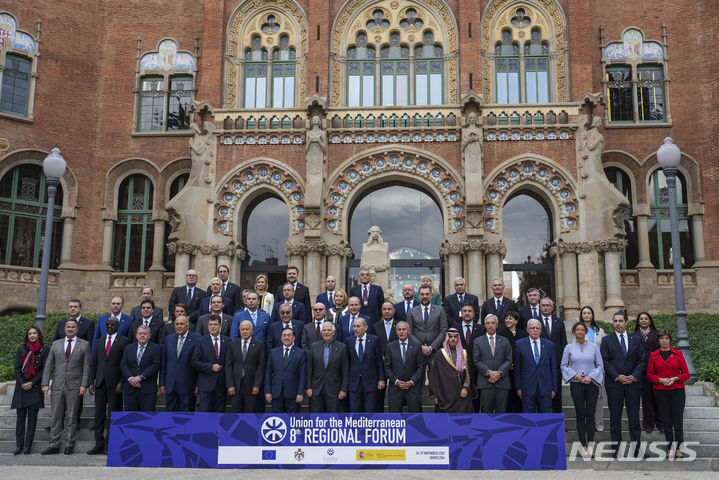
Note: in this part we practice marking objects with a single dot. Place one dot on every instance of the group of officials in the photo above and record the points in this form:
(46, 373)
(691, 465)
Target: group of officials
(343, 354)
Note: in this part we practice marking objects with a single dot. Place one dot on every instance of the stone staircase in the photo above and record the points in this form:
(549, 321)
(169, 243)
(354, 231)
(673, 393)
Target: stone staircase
(701, 424)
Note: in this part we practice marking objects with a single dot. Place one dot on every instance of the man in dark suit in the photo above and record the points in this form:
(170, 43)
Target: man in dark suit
(345, 322)
(148, 318)
(229, 289)
(85, 326)
(427, 324)
(178, 380)
(492, 356)
(624, 359)
(312, 331)
(535, 370)
(190, 295)
(401, 309)
(469, 330)
(217, 304)
(215, 288)
(499, 304)
(453, 303)
(146, 294)
(245, 369)
(254, 314)
(301, 293)
(370, 295)
(116, 304)
(385, 332)
(404, 369)
(530, 311)
(140, 366)
(285, 375)
(553, 330)
(289, 298)
(169, 327)
(328, 296)
(327, 372)
(365, 368)
(274, 332)
(512, 333)
(208, 360)
(106, 381)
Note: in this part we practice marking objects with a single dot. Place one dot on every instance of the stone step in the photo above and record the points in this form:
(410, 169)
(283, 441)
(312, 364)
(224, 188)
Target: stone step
(571, 435)
(690, 425)
(696, 465)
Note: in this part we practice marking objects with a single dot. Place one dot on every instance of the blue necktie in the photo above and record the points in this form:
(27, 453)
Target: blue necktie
(360, 350)
(326, 355)
(330, 300)
(624, 345)
(254, 318)
(536, 352)
(426, 316)
(409, 304)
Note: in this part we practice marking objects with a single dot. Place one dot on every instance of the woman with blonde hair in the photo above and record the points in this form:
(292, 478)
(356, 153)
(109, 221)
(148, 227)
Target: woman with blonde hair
(340, 307)
(267, 300)
(436, 299)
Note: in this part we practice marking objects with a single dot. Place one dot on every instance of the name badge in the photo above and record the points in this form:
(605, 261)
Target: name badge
(366, 303)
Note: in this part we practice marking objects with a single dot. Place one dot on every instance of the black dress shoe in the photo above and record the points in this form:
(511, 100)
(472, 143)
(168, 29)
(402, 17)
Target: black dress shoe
(68, 450)
(96, 450)
(27, 450)
(17, 451)
(51, 451)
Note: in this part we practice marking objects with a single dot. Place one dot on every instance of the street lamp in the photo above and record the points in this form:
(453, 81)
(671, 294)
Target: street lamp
(53, 167)
(668, 156)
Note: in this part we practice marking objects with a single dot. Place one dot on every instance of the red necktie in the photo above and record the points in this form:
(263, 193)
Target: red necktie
(319, 335)
(108, 346)
(364, 294)
(68, 350)
(217, 351)
(468, 336)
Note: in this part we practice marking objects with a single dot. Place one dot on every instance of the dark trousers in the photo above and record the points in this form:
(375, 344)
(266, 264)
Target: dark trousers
(514, 403)
(179, 402)
(363, 401)
(379, 400)
(213, 401)
(242, 402)
(494, 400)
(284, 405)
(617, 398)
(650, 417)
(106, 398)
(584, 397)
(25, 427)
(536, 403)
(138, 401)
(321, 402)
(411, 397)
(670, 407)
(557, 400)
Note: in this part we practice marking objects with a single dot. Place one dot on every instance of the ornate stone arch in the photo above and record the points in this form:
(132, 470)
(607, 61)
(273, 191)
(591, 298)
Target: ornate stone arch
(688, 167)
(238, 187)
(353, 16)
(170, 172)
(122, 170)
(246, 21)
(540, 174)
(628, 164)
(382, 164)
(551, 20)
(68, 181)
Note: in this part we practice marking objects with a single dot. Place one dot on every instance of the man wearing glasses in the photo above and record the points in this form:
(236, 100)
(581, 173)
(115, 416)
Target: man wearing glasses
(189, 295)
(217, 305)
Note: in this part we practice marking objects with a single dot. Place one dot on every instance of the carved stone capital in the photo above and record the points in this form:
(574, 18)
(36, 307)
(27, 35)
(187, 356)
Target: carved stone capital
(499, 248)
(375, 268)
(186, 248)
(611, 244)
(475, 245)
(313, 246)
(575, 247)
(223, 250)
(448, 248)
(293, 249)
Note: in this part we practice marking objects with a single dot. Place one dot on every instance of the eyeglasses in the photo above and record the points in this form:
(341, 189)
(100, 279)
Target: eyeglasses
(216, 301)
(285, 313)
(317, 309)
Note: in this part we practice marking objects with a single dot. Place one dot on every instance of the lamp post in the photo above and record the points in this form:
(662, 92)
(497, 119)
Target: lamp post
(668, 156)
(53, 167)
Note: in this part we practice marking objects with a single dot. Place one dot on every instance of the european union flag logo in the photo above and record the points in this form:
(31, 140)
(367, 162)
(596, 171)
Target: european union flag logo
(269, 454)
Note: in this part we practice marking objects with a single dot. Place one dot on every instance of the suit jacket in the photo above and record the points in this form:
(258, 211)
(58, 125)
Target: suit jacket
(484, 361)
(302, 295)
(477, 331)
(375, 299)
(365, 374)
(225, 328)
(105, 369)
(513, 338)
(673, 366)
(253, 365)
(558, 336)
(85, 329)
(203, 358)
(72, 373)
(454, 310)
(344, 329)
(259, 331)
(490, 306)
(228, 307)
(411, 369)
(433, 333)
(400, 313)
(177, 374)
(285, 380)
(324, 299)
(234, 293)
(616, 363)
(531, 377)
(123, 330)
(274, 334)
(149, 367)
(378, 329)
(298, 311)
(335, 376)
(309, 335)
(179, 295)
(156, 325)
(136, 313)
(525, 315)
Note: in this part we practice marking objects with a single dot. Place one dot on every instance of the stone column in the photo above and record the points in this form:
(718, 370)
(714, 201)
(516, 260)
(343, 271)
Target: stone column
(158, 247)
(68, 226)
(107, 229)
(313, 250)
(475, 267)
(453, 253)
(591, 279)
(613, 280)
(569, 274)
(495, 253)
(698, 238)
(558, 280)
(295, 258)
(643, 241)
(181, 250)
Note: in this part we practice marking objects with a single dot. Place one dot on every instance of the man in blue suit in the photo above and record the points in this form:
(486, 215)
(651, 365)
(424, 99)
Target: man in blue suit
(178, 380)
(535, 370)
(298, 308)
(259, 319)
(274, 330)
(366, 368)
(401, 309)
(328, 296)
(345, 322)
(285, 375)
(116, 304)
(140, 366)
(208, 360)
(371, 296)
(215, 288)
(624, 359)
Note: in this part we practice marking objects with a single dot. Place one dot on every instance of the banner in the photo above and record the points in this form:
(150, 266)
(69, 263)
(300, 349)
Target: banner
(407, 441)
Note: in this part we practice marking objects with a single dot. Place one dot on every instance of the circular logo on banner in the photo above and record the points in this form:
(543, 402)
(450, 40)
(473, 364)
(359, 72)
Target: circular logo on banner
(273, 430)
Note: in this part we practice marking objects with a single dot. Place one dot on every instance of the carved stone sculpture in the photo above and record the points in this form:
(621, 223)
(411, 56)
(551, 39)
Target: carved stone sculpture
(375, 257)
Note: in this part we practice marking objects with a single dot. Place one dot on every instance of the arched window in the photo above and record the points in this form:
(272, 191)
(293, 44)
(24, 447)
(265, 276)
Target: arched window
(536, 68)
(23, 207)
(283, 75)
(18, 67)
(428, 71)
(168, 259)
(134, 228)
(629, 257)
(394, 67)
(15, 85)
(255, 74)
(360, 73)
(507, 69)
(660, 241)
